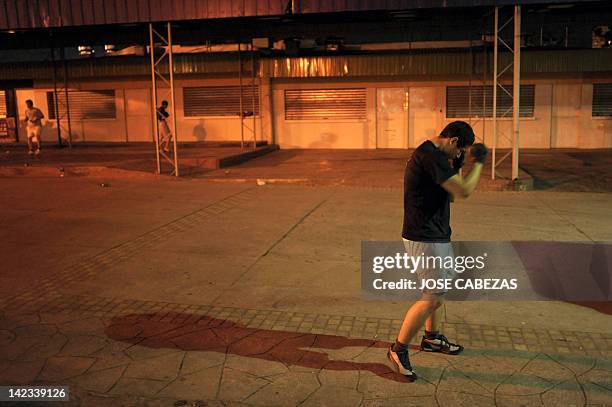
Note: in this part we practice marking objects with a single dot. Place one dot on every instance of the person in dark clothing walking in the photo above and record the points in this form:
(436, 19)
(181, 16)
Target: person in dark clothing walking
(431, 181)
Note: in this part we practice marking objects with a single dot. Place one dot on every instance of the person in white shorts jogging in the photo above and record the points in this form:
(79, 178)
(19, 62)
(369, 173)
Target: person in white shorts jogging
(431, 179)
(33, 119)
(165, 133)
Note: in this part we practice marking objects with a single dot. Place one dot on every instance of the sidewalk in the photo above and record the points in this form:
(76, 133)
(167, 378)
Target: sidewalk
(551, 170)
(183, 292)
(124, 160)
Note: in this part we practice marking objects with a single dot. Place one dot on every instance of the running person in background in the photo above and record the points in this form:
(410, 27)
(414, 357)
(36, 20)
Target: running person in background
(431, 180)
(33, 119)
(164, 130)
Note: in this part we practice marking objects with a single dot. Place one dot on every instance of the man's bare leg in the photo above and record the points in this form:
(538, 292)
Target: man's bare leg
(416, 316)
(432, 324)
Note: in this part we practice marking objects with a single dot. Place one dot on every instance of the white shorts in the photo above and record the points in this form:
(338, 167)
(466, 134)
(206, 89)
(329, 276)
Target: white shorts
(434, 269)
(164, 131)
(34, 133)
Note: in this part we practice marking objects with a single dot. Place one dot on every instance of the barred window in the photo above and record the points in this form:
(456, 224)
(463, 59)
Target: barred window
(84, 104)
(467, 101)
(219, 100)
(325, 104)
(602, 99)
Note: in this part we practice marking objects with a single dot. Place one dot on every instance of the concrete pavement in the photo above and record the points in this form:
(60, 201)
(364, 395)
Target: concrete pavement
(183, 292)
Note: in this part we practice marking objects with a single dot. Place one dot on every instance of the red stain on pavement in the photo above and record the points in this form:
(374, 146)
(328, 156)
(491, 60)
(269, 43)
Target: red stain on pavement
(202, 333)
(605, 307)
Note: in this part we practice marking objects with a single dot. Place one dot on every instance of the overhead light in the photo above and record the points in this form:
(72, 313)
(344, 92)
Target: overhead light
(11, 31)
(85, 50)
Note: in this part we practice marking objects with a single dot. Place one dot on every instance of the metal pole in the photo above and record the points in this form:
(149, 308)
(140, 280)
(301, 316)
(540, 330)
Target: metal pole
(253, 94)
(171, 72)
(241, 111)
(470, 83)
(494, 114)
(516, 91)
(55, 103)
(485, 71)
(484, 86)
(154, 97)
(63, 56)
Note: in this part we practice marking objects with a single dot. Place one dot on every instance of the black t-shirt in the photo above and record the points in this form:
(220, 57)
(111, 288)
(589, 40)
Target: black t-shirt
(426, 203)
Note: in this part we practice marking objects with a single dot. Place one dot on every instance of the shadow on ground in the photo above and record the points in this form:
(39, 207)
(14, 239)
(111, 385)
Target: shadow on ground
(571, 170)
(202, 333)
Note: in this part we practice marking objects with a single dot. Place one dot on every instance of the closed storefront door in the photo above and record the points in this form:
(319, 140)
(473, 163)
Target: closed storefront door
(391, 118)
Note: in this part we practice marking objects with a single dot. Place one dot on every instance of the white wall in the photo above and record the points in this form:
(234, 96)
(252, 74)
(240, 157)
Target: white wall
(562, 116)
(425, 117)
(82, 130)
(209, 128)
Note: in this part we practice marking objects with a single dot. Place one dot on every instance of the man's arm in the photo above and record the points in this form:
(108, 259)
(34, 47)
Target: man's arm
(460, 187)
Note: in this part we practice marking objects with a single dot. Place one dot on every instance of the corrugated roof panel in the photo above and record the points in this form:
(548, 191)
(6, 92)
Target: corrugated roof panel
(76, 8)
(143, 12)
(87, 11)
(24, 14)
(327, 6)
(427, 64)
(364, 65)
(66, 13)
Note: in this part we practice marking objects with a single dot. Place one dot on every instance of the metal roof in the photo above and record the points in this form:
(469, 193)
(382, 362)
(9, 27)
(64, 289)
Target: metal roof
(27, 14)
(33, 14)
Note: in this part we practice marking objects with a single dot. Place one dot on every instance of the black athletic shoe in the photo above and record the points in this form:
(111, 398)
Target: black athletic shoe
(440, 343)
(400, 362)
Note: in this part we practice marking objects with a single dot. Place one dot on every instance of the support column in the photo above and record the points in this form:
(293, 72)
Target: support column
(154, 97)
(168, 80)
(514, 65)
(516, 92)
(240, 95)
(172, 98)
(494, 119)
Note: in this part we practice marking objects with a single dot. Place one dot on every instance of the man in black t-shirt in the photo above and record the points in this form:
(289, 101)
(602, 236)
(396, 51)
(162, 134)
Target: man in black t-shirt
(431, 180)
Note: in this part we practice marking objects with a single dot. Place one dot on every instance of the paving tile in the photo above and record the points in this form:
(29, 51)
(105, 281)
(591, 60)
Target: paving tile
(99, 381)
(331, 396)
(288, 389)
(163, 368)
(60, 368)
(137, 387)
(238, 385)
(391, 385)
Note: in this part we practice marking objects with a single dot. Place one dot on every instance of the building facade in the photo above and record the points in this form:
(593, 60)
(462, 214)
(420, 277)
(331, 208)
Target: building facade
(360, 103)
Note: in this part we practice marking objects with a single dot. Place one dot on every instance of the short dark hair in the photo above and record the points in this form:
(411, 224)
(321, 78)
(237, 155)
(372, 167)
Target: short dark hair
(29, 102)
(461, 130)
(164, 102)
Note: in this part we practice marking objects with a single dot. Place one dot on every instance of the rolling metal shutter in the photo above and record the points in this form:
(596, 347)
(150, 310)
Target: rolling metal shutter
(325, 104)
(467, 101)
(84, 104)
(602, 99)
(219, 100)
(2, 103)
